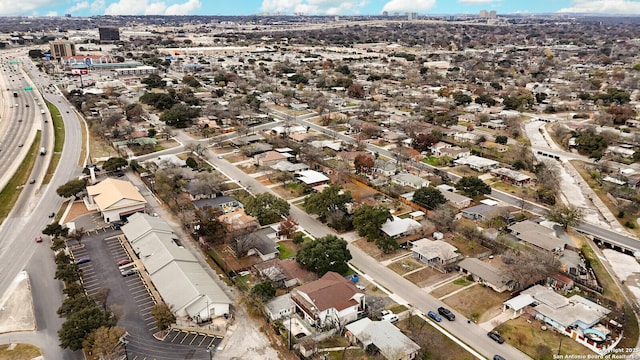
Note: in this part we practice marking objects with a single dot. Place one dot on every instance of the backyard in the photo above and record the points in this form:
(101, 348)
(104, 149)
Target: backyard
(476, 301)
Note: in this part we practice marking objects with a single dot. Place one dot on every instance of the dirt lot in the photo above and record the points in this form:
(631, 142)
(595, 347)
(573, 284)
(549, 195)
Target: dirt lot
(477, 300)
(77, 209)
(449, 288)
(372, 250)
(405, 265)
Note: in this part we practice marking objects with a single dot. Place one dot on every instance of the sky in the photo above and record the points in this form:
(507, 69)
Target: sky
(310, 7)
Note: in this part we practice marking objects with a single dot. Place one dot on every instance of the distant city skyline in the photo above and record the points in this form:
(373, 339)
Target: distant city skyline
(80, 8)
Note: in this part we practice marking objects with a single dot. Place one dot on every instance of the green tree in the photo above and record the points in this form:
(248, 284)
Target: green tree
(56, 230)
(71, 188)
(163, 315)
(565, 215)
(328, 253)
(429, 197)
(208, 225)
(267, 208)
(114, 163)
(368, 220)
(592, 144)
(152, 133)
(179, 115)
(105, 343)
(67, 272)
(462, 99)
(191, 81)
(473, 186)
(191, 162)
(80, 324)
(501, 139)
(485, 99)
(387, 244)
(160, 101)
(264, 290)
(328, 201)
(154, 81)
(74, 304)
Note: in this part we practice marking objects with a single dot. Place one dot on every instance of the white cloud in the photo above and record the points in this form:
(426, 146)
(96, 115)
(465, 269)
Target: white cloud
(97, 6)
(472, 2)
(313, 7)
(604, 7)
(51, 13)
(79, 6)
(408, 5)
(12, 7)
(145, 7)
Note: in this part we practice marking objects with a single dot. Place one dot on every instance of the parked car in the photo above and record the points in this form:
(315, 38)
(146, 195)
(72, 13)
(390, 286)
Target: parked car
(128, 272)
(390, 318)
(38, 239)
(495, 337)
(82, 260)
(385, 312)
(446, 313)
(498, 357)
(124, 262)
(434, 316)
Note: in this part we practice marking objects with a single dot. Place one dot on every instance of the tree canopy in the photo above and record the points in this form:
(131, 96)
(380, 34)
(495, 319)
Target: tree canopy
(56, 230)
(368, 220)
(80, 324)
(154, 81)
(163, 315)
(104, 342)
(591, 144)
(114, 163)
(429, 197)
(328, 201)
(264, 290)
(363, 163)
(328, 253)
(565, 215)
(267, 208)
(473, 186)
(71, 188)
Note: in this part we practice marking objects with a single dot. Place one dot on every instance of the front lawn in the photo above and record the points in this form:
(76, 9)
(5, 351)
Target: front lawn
(473, 302)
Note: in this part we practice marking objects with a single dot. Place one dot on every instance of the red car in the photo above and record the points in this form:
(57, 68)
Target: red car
(124, 262)
(38, 239)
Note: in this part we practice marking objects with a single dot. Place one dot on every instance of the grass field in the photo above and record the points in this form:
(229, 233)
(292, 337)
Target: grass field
(58, 141)
(19, 352)
(11, 192)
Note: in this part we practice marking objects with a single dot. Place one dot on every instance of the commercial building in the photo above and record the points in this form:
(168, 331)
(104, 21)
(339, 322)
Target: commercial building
(62, 48)
(109, 33)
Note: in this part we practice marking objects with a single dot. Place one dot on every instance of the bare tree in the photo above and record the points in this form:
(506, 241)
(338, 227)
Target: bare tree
(242, 244)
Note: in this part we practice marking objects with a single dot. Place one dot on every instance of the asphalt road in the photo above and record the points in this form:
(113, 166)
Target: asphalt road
(18, 249)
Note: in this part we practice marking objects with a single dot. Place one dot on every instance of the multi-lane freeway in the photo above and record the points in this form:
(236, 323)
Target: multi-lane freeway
(18, 250)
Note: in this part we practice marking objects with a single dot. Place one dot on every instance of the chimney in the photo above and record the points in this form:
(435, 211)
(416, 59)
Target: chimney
(92, 172)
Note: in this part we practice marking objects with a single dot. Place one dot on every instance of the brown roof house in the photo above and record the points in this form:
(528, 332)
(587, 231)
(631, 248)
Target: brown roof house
(115, 199)
(330, 301)
(270, 158)
(486, 274)
(382, 337)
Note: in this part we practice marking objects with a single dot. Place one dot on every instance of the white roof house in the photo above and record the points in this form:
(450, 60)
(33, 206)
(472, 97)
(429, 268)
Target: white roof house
(175, 272)
(411, 180)
(115, 198)
(385, 337)
(477, 163)
(312, 177)
(397, 227)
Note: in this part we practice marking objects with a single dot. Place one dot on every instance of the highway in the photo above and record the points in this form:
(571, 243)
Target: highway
(18, 250)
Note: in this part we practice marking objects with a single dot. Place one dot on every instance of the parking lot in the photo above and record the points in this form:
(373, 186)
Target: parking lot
(130, 299)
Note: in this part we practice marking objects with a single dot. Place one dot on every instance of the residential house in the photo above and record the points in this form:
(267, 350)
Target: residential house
(257, 148)
(397, 227)
(385, 167)
(382, 337)
(410, 180)
(238, 222)
(329, 301)
(285, 273)
(350, 156)
(245, 140)
(483, 212)
(225, 203)
(466, 137)
(164, 162)
(486, 274)
(455, 152)
(537, 235)
(477, 163)
(312, 178)
(270, 158)
(511, 176)
(559, 282)
(115, 199)
(435, 253)
(263, 244)
(436, 149)
(280, 307)
(287, 166)
(334, 145)
(175, 272)
(458, 201)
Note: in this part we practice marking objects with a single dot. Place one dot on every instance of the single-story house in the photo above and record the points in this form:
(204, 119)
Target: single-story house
(486, 274)
(165, 161)
(263, 244)
(225, 203)
(458, 201)
(285, 273)
(287, 166)
(115, 199)
(537, 235)
(385, 167)
(280, 307)
(329, 301)
(397, 227)
(382, 337)
(455, 152)
(511, 176)
(410, 180)
(484, 212)
(312, 178)
(329, 144)
(270, 158)
(435, 253)
(477, 163)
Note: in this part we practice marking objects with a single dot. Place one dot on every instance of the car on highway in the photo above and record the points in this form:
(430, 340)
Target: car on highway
(434, 316)
(498, 357)
(495, 337)
(32, 181)
(128, 272)
(20, 145)
(446, 313)
(82, 260)
(124, 262)
(38, 239)
(52, 215)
